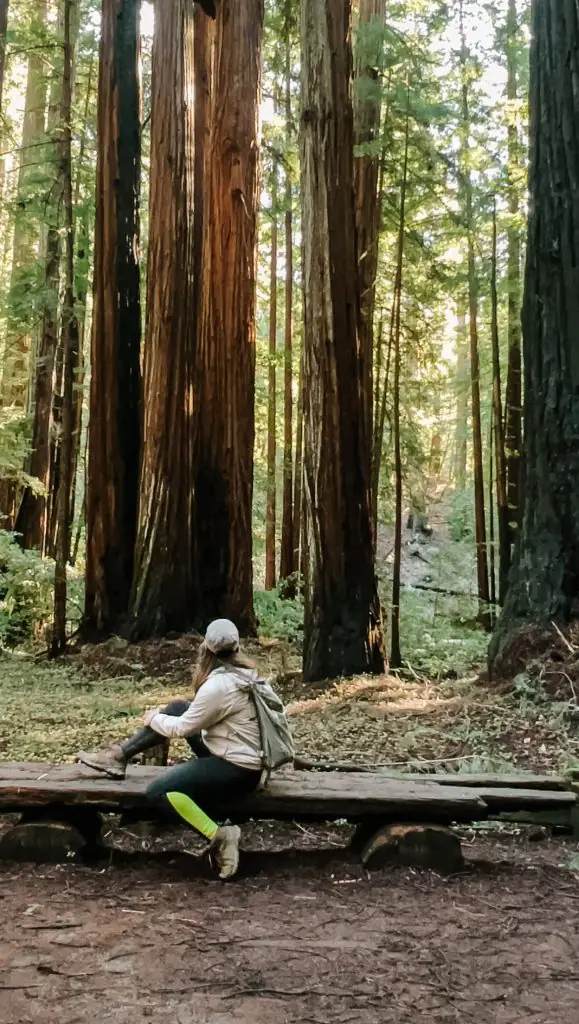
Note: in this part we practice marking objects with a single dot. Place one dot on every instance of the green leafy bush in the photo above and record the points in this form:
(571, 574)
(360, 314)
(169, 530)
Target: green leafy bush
(26, 591)
(282, 619)
(461, 519)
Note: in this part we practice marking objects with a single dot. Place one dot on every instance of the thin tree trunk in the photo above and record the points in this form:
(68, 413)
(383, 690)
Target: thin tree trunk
(20, 329)
(342, 622)
(26, 226)
(513, 431)
(286, 558)
(163, 595)
(367, 117)
(82, 252)
(70, 344)
(31, 520)
(114, 420)
(3, 27)
(499, 434)
(380, 386)
(479, 494)
(462, 384)
(270, 514)
(225, 370)
(395, 653)
(298, 511)
(492, 553)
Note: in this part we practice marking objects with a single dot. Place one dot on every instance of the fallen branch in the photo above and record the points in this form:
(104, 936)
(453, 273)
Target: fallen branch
(570, 648)
(305, 764)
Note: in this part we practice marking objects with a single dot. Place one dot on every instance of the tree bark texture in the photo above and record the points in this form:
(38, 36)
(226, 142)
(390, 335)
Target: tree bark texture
(270, 514)
(544, 582)
(26, 227)
(498, 435)
(163, 594)
(70, 349)
(286, 557)
(468, 209)
(395, 652)
(203, 56)
(460, 452)
(225, 366)
(342, 626)
(514, 412)
(367, 118)
(31, 517)
(114, 421)
(20, 334)
(3, 27)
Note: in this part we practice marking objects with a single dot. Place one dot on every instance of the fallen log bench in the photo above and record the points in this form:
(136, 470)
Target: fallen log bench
(399, 818)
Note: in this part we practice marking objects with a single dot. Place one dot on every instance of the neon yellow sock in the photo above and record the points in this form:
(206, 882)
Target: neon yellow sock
(192, 814)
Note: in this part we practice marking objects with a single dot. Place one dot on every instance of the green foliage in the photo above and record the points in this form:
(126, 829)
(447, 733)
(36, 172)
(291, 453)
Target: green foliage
(436, 642)
(279, 618)
(26, 591)
(14, 448)
(461, 520)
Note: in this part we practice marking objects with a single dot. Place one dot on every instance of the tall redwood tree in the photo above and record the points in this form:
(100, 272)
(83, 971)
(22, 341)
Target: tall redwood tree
(342, 628)
(544, 580)
(225, 364)
(163, 594)
(114, 422)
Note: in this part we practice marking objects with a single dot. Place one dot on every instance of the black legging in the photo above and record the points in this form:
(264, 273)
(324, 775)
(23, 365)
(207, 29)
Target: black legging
(211, 782)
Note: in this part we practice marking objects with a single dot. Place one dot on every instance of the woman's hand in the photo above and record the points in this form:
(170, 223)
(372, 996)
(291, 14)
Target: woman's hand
(149, 715)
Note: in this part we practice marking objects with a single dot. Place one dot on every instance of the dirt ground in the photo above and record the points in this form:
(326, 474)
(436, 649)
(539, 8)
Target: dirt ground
(308, 938)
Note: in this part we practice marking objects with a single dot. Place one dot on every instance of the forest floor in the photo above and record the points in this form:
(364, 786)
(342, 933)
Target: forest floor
(304, 934)
(302, 939)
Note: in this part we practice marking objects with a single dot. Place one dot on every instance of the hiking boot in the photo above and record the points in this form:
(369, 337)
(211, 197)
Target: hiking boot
(224, 850)
(111, 761)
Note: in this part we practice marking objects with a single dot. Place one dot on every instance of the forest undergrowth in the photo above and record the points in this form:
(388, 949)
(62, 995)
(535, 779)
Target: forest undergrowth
(439, 713)
(408, 721)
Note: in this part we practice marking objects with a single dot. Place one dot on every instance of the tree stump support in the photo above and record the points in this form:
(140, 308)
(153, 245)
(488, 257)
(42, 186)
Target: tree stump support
(430, 847)
(53, 835)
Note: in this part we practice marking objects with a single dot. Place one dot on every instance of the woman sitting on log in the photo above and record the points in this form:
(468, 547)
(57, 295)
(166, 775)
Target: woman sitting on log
(221, 726)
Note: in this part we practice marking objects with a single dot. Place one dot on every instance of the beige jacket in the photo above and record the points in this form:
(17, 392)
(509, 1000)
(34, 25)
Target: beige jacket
(224, 714)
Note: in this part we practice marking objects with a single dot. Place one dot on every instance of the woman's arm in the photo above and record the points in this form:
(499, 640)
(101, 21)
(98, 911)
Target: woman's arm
(205, 710)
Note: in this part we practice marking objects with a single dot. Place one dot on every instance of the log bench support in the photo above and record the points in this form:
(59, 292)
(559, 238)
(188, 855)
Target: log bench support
(54, 835)
(401, 820)
(429, 847)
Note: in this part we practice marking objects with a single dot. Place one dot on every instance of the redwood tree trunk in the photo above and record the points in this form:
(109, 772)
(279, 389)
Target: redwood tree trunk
(498, 435)
(513, 430)
(544, 582)
(163, 595)
(460, 452)
(3, 27)
(298, 501)
(395, 653)
(468, 202)
(367, 116)
(70, 350)
(19, 341)
(342, 625)
(31, 518)
(270, 514)
(32, 513)
(203, 54)
(225, 369)
(286, 558)
(114, 421)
